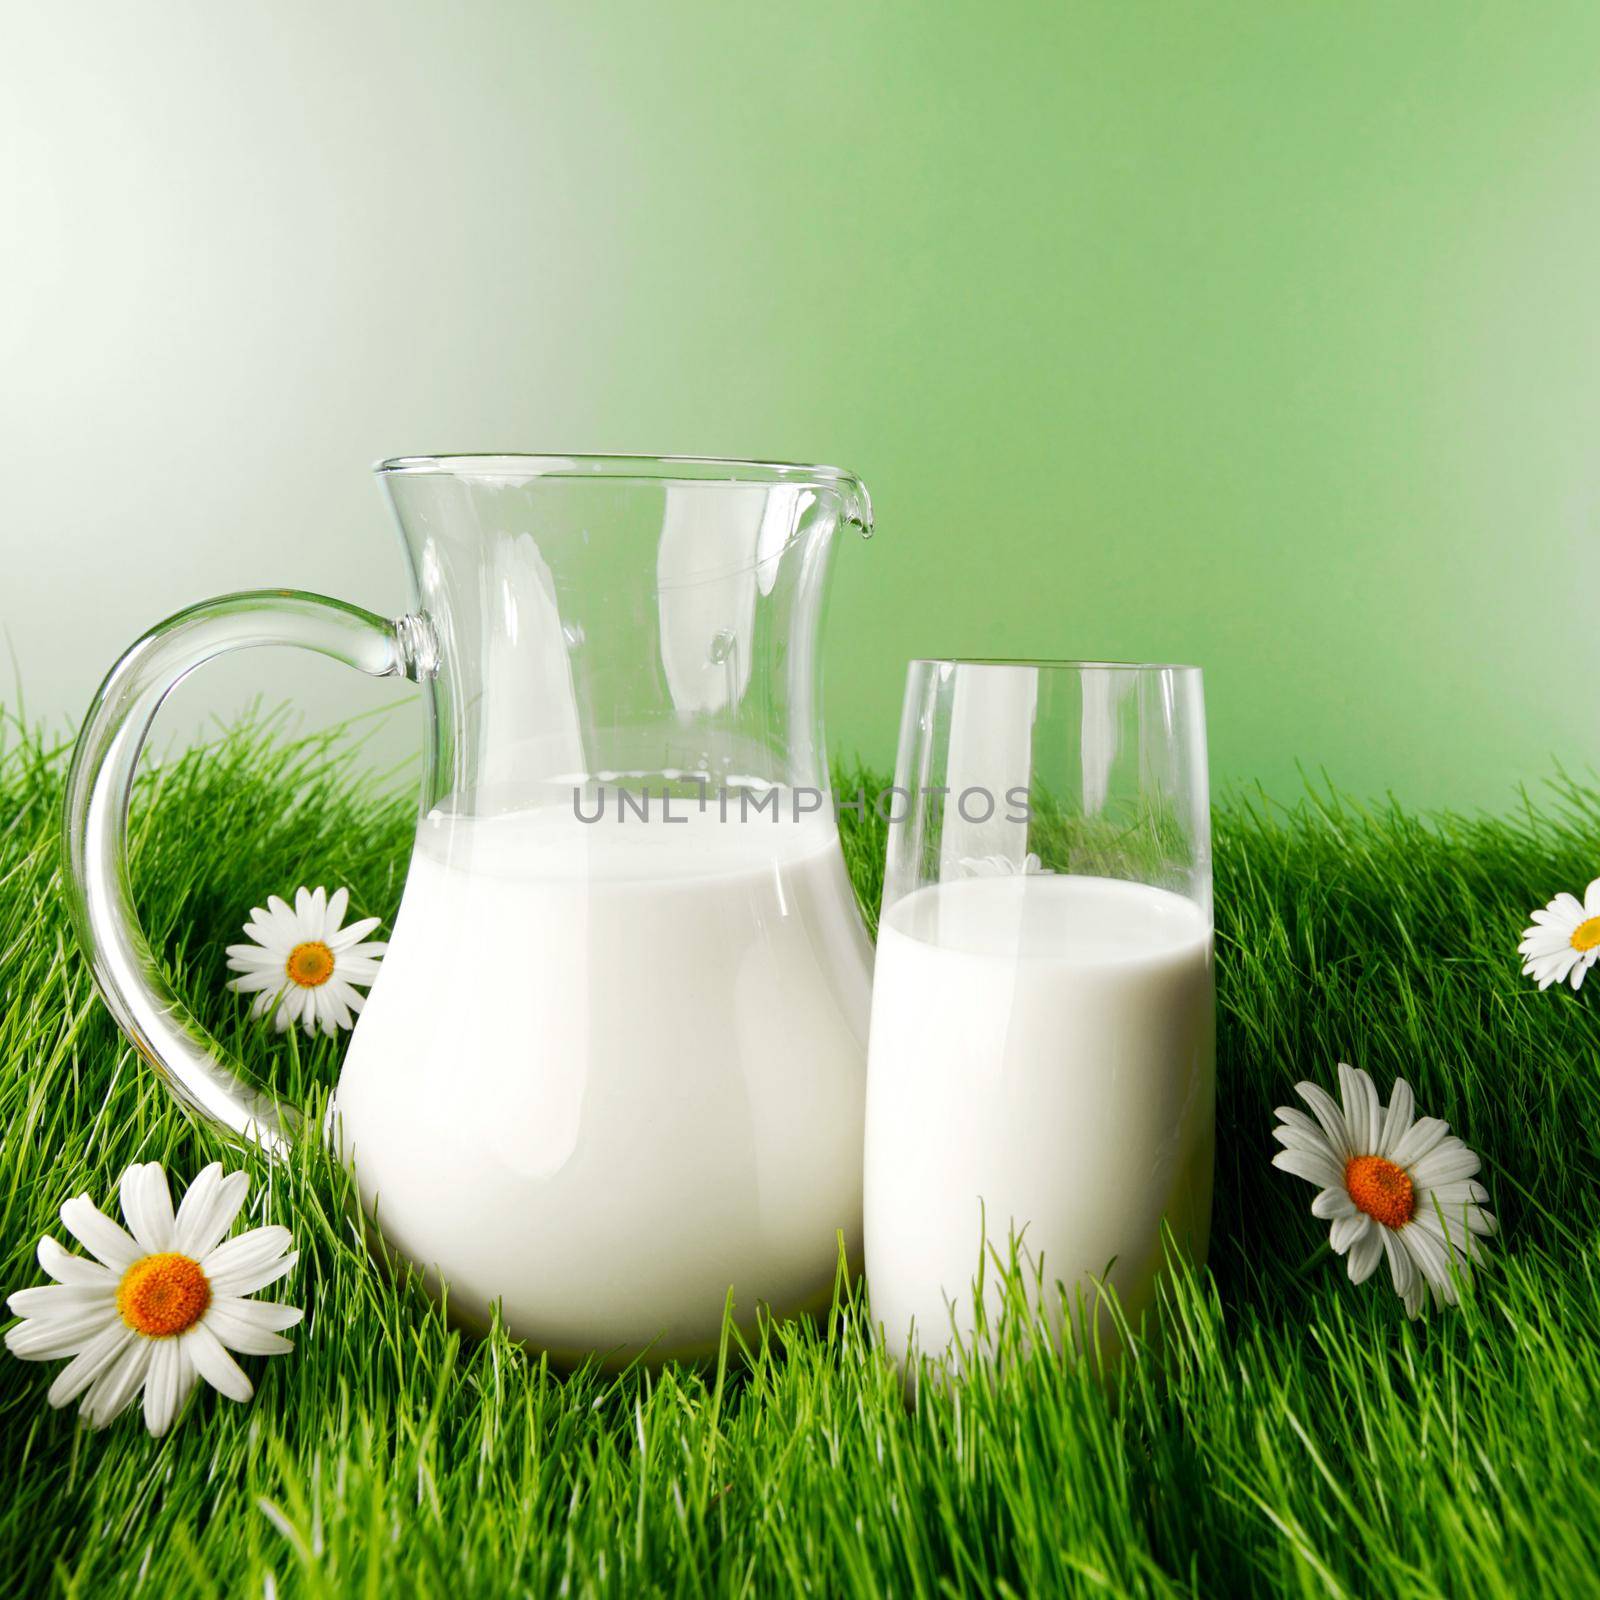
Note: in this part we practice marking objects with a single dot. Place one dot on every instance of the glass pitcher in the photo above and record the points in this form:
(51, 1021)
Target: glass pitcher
(614, 1062)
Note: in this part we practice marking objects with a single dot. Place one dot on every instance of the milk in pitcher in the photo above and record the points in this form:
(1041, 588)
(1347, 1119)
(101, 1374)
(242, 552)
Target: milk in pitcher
(643, 1040)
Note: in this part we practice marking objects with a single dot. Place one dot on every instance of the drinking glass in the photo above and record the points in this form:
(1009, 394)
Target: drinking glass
(1041, 1080)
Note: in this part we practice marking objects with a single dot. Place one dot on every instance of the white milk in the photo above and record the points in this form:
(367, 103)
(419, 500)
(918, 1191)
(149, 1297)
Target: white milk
(1042, 1046)
(610, 1070)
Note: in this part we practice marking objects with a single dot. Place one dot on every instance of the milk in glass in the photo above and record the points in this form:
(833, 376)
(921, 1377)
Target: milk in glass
(1042, 1057)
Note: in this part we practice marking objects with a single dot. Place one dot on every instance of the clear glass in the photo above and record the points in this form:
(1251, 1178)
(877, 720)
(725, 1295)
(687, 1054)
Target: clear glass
(613, 1065)
(1041, 1067)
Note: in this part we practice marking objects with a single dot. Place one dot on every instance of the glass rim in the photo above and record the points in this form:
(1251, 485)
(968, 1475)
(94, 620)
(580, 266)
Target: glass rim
(688, 469)
(1054, 665)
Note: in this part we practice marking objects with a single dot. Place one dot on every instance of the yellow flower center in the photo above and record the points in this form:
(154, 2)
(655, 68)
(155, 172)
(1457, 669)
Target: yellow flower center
(163, 1295)
(1586, 935)
(309, 964)
(1381, 1189)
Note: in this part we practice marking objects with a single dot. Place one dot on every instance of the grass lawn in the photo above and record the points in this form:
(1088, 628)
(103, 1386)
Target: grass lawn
(1287, 1432)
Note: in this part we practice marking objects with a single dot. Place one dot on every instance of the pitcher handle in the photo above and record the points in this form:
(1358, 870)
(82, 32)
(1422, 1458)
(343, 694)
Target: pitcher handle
(99, 784)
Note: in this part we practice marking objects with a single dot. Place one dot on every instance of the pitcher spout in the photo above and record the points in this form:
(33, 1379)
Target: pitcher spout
(857, 508)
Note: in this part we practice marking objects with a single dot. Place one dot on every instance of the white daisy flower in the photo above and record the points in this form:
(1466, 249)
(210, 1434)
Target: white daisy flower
(157, 1307)
(303, 962)
(1564, 940)
(1391, 1184)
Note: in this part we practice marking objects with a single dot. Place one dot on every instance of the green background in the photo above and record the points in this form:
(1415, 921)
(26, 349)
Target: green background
(1261, 335)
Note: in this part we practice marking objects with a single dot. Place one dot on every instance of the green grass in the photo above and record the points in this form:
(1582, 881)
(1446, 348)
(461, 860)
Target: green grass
(1286, 1433)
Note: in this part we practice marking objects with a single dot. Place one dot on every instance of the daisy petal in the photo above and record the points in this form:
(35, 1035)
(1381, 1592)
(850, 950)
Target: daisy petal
(1334, 1202)
(327, 1013)
(1298, 1119)
(1433, 1261)
(346, 939)
(112, 1392)
(1297, 1139)
(188, 1377)
(203, 1226)
(1318, 1169)
(339, 988)
(167, 1361)
(1365, 1254)
(237, 1284)
(147, 1206)
(251, 958)
(1349, 1230)
(268, 1314)
(1448, 1162)
(65, 1267)
(93, 1229)
(89, 1363)
(61, 1299)
(250, 1262)
(1402, 1269)
(214, 1364)
(50, 1338)
(1397, 1119)
(238, 1332)
(251, 982)
(1455, 1223)
(275, 941)
(197, 1201)
(1422, 1136)
(338, 904)
(1326, 1110)
(1360, 1108)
